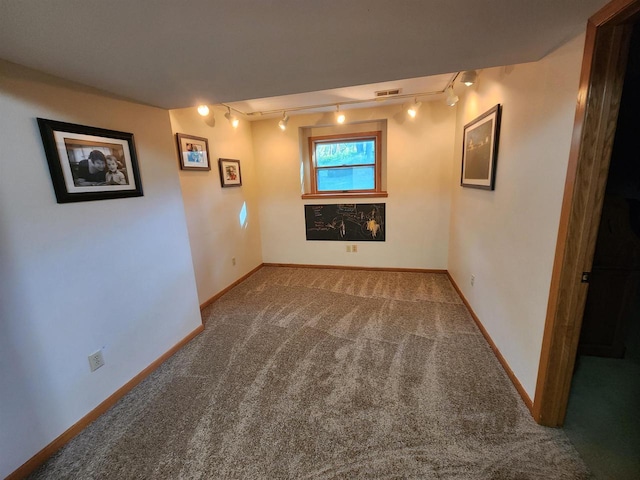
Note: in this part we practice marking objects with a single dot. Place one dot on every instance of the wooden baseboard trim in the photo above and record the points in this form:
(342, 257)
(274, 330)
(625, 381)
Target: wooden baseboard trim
(42, 456)
(237, 282)
(348, 267)
(501, 359)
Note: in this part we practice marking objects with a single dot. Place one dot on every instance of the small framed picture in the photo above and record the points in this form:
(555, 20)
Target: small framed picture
(193, 152)
(230, 175)
(480, 150)
(89, 163)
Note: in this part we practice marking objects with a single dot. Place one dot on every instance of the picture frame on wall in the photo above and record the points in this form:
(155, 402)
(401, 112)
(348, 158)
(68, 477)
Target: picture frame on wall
(480, 150)
(90, 163)
(193, 152)
(230, 175)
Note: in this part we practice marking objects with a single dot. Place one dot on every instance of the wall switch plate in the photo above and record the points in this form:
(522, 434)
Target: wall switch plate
(473, 280)
(354, 248)
(348, 248)
(233, 260)
(96, 360)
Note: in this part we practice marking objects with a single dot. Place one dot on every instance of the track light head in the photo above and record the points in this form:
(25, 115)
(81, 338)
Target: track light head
(413, 109)
(283, 122)
(233, 120)
(203, 110)
(469, 77)
(340, 118)
(452, 98)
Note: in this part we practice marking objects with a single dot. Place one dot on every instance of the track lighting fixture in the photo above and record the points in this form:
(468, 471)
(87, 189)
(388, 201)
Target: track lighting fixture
(283, 122)
(469, 77)
(203, 110)
(233, 120)
(413, 109)
(452, 98)
(412, 106)
(340, 118)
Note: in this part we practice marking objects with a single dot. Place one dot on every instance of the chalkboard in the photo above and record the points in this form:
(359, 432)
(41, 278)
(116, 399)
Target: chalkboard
(348, 222)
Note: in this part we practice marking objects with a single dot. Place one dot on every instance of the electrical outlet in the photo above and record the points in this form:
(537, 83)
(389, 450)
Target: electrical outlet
(233, 260)
(473, 280)
(354, 248)
(96, 360)
(348, 248)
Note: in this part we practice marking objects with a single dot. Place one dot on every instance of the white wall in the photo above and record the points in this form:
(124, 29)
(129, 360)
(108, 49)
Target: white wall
(77, 277)
(419, 169)
(506, 237)
(223, 222)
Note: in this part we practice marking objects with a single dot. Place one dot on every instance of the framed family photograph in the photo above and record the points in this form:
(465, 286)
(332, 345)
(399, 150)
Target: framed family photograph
(89, 163)
(193, 152)
(480, 150)
(230, 175)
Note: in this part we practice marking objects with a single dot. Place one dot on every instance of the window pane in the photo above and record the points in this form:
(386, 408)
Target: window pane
(354, 178)
(335, 154)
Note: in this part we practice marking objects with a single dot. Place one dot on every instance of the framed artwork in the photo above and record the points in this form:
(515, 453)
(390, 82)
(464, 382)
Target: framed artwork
(480, 150)
(193, 152)
(230, 175)
(89, 163)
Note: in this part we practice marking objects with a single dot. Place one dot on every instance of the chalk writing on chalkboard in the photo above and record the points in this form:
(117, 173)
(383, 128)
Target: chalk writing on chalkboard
(362, 222)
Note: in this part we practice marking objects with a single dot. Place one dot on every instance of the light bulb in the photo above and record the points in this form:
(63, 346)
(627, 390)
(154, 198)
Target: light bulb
(283, 122)
(233, 120)
(413, 109)
(203, 110)
(340, 118)
(452, 98)
(469, 77)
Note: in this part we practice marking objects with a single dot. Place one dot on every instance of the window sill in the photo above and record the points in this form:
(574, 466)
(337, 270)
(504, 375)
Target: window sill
(345, 195)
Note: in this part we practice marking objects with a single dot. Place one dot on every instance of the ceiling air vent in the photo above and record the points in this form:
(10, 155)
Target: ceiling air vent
(387, 93)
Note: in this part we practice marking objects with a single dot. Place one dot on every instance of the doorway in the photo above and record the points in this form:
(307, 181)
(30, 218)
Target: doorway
(602, 420)
(601, 83)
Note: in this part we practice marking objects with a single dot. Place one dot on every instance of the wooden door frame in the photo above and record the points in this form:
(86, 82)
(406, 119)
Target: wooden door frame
(601, 81)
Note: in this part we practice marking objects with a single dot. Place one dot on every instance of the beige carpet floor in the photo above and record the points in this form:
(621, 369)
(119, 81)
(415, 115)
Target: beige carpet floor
(325, 374)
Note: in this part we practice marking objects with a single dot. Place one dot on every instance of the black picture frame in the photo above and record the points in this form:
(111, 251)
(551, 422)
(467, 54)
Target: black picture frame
(230, 175)
(193, 152)
(480, 150)
(70, 148)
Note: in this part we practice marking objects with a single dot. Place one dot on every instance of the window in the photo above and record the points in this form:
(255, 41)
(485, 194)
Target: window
(345, 164)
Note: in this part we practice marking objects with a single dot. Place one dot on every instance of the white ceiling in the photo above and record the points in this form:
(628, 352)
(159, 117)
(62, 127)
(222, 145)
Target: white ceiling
(361, 96)
(174, 54)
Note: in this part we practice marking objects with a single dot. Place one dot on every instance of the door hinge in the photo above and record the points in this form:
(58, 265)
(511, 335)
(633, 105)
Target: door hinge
(585, 277)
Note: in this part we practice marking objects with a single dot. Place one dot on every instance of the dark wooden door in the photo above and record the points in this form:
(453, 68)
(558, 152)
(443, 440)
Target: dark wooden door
(615, 275)
(614, 281)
